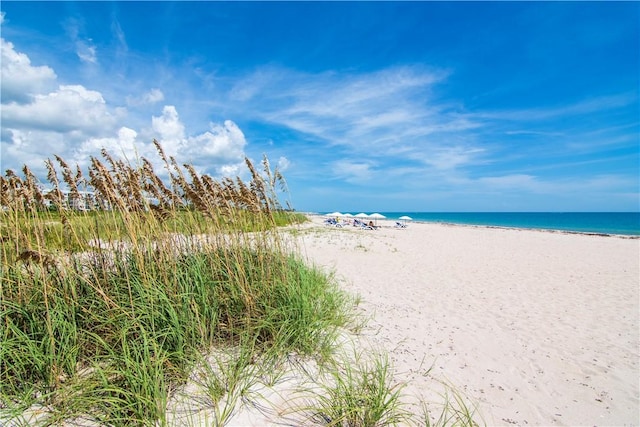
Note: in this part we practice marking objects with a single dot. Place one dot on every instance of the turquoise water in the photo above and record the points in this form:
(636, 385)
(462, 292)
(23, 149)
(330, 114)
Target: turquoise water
(626, 223)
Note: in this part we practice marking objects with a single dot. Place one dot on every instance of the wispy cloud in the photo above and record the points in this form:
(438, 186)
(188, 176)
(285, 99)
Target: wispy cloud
(350, 109)
(352, 171)
(392, 119)
(153, 96)
(447, 158)
(583, 107)
(532, 132)
(528, 184)
(390, 112)
(119, 35)
(86, 51)
(85, 48)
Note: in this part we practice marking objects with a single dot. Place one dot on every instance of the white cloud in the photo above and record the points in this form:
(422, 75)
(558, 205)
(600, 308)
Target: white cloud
(391, 113)
(30, 95)
(224, 142)
(393, 118)
(230, 170)
(363, 100)
(446, 158)
(354, 172)
(86, 51)
(586, 106)
(20, 79)
(220, 150)
(343, 106)
(152, 97)
(169, 129)
(71, 108)
(30, 147)
(124, 145)
(283, 164)
(75, 123)
(119, 35)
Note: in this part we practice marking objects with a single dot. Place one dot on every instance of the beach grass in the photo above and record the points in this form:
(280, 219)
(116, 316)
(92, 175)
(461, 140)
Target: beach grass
(454, 409)
(111, 304)
(106, 310)
(360, 392)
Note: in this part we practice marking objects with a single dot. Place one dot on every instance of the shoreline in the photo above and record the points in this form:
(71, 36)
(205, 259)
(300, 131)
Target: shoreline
(543, 230)
(500, 227)
(632, 235)
(536, 328)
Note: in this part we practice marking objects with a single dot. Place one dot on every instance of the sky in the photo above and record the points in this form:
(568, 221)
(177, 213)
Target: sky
(363, 106)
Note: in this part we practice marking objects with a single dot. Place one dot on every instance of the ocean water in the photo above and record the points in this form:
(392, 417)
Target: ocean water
(625, 223)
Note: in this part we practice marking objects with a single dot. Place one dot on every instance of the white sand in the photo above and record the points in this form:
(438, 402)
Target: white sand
(533, 328)
(537, 328)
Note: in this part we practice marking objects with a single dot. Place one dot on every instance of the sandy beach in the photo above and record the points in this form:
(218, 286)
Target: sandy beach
(535, 327)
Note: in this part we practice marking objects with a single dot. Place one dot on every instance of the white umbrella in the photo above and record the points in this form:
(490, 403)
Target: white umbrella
(334, 214)
(377, 216)
(405, 218)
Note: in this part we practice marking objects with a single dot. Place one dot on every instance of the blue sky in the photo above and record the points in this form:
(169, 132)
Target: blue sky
(364, 106)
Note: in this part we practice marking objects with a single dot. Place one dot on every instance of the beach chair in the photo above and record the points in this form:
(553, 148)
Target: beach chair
(400, 225)
(332, 222)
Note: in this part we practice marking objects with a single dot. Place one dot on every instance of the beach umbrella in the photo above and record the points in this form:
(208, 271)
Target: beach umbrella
(334, 214)
(361, 216)
(377, 216)
(405, 218)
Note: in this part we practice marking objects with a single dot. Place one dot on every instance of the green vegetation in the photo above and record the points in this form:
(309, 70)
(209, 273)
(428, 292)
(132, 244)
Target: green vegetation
(111, 303)
(361, 393)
